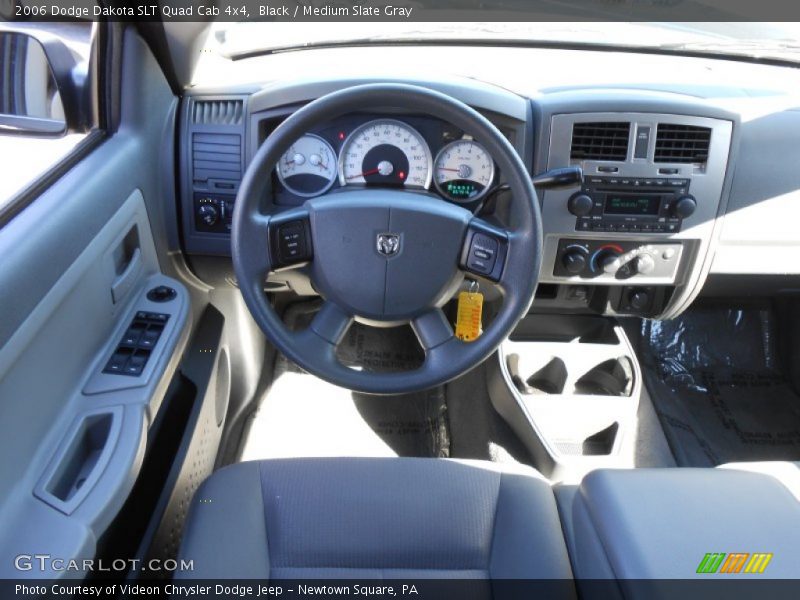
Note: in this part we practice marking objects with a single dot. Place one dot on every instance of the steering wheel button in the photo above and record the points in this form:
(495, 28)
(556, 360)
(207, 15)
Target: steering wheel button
(292, 245)
(482, 254)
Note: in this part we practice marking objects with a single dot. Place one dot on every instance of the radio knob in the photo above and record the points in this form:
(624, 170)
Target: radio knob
(208, 214)
(574, 261)
(644, 264)
(580, 204)
(684, 206)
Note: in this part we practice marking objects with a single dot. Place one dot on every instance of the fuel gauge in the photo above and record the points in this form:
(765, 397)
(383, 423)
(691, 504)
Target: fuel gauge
(463, 171)
(308, 168)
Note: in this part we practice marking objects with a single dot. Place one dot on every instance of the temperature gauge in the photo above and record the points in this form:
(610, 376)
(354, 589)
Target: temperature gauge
(308, 168)
(463, 171)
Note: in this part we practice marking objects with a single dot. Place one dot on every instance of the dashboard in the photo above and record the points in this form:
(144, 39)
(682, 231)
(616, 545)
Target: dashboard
(640, 236)
(407, 151)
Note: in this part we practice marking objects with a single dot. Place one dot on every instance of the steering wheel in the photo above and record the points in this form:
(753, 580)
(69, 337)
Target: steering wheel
(385, 256)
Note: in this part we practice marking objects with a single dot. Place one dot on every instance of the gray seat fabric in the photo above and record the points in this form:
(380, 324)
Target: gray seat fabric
(375, 517)
(643, 524)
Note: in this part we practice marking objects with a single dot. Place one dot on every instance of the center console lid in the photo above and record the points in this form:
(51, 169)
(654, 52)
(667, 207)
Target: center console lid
(671, 524)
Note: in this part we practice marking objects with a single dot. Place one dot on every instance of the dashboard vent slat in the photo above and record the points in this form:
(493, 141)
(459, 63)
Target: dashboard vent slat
(216, 156)
(600, 141)
(217, 112)
(682, 143)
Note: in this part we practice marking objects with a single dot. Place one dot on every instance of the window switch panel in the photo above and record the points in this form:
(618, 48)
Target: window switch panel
(133, 350)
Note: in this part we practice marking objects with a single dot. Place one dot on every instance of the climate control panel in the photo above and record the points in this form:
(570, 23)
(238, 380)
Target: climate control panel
(617, 260)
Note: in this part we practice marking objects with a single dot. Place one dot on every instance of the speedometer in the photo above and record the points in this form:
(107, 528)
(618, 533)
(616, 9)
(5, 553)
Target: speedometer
(464, 171)
(385, 152)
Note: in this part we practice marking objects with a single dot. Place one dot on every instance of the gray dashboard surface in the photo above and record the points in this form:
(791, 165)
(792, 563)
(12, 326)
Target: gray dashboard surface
(755, 235)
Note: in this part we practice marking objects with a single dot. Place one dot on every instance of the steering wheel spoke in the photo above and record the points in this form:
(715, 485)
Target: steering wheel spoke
(331, 323)
(432, 329)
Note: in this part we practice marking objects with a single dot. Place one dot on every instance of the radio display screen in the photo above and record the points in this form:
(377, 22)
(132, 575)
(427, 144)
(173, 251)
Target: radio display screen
(632, 204)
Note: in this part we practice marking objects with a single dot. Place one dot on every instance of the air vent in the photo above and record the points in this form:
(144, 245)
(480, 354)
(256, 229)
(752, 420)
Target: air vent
(682, 144)
(600, 141)
(217, 112)
(216, 156)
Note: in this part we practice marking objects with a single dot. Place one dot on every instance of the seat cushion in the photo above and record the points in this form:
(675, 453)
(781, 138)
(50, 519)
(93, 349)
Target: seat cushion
(374, 517)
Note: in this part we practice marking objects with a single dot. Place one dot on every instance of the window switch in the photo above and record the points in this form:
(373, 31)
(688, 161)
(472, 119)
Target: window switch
(116, 363)
(131, 337)
(150, 337)
(136, 364)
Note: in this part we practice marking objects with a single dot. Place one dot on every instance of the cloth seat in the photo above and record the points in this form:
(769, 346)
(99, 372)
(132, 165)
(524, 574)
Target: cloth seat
(401, 518)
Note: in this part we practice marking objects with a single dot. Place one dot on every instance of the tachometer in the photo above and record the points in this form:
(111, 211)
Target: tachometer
(308, 167)
(385, 152)
(463, 171)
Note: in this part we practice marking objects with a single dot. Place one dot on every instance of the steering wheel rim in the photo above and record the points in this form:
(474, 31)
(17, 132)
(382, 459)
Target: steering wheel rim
(314, 348)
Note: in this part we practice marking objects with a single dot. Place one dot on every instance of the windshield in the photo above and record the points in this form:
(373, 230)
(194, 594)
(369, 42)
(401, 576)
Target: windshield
(760, 40)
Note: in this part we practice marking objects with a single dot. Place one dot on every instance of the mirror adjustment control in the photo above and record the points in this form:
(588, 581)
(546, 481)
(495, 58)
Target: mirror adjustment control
(162, 293)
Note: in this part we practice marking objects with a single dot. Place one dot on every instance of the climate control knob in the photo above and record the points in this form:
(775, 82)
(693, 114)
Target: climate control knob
(684, 206)
(580, 204)
(609, 262)
(644, 264)
(574, 261)
(208, 214)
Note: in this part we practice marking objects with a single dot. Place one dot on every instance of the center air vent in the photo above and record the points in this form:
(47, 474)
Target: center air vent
(600, 141)
(682, 144)
(217, 112)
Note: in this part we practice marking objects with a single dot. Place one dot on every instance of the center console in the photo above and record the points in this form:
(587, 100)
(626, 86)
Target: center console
(632, 239)
(569, 386)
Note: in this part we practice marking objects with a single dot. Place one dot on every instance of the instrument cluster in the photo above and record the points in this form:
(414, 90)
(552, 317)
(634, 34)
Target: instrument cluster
(409, 152)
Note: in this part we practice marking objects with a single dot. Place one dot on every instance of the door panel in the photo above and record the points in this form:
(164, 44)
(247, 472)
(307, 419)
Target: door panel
(77, 265)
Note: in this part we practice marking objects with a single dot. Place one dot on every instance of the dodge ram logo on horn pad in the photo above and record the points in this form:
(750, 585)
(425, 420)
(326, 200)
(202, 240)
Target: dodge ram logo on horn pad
(388, 244)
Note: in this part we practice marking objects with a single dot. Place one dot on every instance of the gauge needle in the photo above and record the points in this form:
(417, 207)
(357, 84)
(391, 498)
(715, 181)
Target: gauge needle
(444, 169)
(364, 174)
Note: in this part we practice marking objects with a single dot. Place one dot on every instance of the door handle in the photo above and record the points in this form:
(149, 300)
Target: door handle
(125, 281)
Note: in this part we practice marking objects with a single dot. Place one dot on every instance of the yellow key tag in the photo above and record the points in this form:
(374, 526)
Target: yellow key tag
(468, 320)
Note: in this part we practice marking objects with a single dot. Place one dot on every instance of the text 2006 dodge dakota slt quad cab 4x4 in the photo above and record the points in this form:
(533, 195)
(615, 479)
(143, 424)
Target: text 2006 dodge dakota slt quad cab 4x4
(399, 308)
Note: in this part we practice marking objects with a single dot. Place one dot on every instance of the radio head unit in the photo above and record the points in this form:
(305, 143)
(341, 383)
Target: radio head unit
(632, 204)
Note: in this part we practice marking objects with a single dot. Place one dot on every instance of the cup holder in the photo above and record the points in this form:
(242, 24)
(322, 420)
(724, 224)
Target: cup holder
(549, 379)
(612, 377)
(600, 443)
